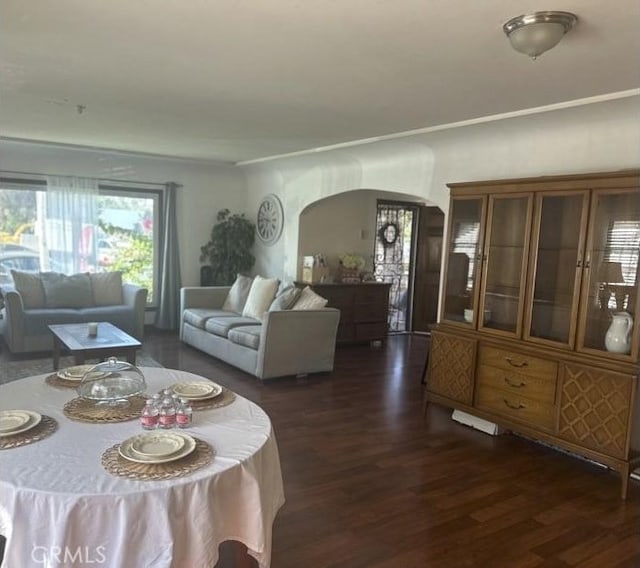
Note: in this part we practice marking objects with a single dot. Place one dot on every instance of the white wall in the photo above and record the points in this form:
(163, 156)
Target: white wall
(205, 188)
(601, 136)
(336, 225)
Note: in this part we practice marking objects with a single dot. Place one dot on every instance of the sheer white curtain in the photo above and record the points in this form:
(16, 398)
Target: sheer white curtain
(71, 221)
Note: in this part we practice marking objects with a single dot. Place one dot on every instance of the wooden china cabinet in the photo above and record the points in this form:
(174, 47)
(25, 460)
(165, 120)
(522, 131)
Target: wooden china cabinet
(535, 271)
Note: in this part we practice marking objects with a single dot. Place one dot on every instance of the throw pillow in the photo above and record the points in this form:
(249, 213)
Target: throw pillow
(285, 299)
(262, 292)
(29, 285)
(107, 288)
(237, 296)
(62, 291)
(309, 300)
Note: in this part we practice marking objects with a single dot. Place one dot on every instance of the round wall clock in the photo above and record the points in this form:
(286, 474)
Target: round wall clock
(270, 219)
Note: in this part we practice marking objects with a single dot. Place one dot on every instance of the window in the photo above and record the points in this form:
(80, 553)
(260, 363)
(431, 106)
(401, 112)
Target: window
(124, 237)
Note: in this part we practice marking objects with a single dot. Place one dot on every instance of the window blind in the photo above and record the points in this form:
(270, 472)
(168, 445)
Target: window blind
(623, 246)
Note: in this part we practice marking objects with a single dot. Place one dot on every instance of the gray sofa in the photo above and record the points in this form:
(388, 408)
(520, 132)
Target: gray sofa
(26, 314)
(285, 342)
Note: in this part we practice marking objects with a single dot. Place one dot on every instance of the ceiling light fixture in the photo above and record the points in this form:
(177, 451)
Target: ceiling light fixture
(536, 33)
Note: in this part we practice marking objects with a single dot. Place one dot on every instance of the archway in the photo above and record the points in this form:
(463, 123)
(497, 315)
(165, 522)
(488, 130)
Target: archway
(346, 223)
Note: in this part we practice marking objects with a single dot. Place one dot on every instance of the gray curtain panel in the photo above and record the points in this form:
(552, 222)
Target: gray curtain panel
(170, 280)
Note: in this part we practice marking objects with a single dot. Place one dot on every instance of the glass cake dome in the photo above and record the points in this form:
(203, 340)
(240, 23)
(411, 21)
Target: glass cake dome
(112, 382)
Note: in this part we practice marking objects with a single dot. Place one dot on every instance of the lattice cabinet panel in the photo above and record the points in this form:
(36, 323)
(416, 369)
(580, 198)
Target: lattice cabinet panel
(594, 408)
(452, 367)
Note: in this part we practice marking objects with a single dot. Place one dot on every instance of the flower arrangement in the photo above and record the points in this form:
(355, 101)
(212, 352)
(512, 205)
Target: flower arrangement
(352, 261)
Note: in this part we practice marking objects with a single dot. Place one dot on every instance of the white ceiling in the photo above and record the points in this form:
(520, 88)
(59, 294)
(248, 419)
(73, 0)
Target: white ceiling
(237, 80)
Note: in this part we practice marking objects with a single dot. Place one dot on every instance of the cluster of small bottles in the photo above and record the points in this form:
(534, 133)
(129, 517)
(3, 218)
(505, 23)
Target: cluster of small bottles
(166, 410)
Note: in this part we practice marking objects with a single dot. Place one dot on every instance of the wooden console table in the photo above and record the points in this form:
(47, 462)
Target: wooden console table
(364, 309)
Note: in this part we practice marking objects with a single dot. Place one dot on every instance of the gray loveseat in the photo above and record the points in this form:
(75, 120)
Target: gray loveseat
(40, 299)
(284, 342)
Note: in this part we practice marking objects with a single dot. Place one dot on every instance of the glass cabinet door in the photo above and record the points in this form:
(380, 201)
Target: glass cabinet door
(556, 267)
(504, 263)
(609, 312)
(462, 261)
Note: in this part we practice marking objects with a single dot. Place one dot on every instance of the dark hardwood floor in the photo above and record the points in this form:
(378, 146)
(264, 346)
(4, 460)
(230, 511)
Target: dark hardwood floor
(370, 483)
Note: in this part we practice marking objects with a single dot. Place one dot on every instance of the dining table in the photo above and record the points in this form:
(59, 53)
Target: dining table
(59, 507)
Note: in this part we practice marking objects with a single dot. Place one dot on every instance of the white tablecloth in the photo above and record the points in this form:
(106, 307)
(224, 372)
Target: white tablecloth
(59, 507)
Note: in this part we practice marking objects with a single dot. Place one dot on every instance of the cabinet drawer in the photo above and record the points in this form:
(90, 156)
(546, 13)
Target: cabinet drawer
(338, 302)
(346, 332)
(370, 331)
(336, 295)
(372, 294)
(346, 313)
(520, 362)
(370, 312)
(521, 408)
(539, 388)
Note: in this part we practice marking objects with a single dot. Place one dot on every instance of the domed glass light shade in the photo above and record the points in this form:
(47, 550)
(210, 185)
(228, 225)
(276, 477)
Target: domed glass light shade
(536, 33)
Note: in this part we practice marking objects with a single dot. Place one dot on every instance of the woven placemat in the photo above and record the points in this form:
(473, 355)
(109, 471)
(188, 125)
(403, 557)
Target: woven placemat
(55, 381)
(115, 464)
(84, 410)
(46, 427)
(224, 399)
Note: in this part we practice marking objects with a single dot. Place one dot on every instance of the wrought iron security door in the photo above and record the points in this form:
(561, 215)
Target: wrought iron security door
(394, 257)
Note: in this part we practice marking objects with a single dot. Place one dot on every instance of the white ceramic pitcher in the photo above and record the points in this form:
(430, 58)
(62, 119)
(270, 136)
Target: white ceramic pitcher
(618, 336)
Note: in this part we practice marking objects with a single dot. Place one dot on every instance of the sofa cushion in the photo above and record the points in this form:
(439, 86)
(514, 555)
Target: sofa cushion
(247, 335)
(237, 296)
(221, 325)
(29, 285)
(285, 299)
(37, 320)
(309, 300)
(197, 317)
(262, 293)
(62, 291)
(107, 288)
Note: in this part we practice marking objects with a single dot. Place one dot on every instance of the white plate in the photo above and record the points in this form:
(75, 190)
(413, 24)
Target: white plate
(128, 453)
(12, 420)
(157, 444)
(34, 420)
(77, 373)
(197, 390)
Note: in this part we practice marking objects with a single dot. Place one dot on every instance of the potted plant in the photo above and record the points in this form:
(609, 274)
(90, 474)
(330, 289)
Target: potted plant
(228, 251)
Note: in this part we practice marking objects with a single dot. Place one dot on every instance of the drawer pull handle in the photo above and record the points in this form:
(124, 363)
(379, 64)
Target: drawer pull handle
(518, 406)
(514, 385)
(516, 363)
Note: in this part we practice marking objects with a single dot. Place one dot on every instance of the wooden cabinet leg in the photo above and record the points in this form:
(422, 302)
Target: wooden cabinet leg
(625, 472)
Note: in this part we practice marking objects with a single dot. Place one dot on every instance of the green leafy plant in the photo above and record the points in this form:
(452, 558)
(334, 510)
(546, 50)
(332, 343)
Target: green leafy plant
(229, 248)
(133, 256)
